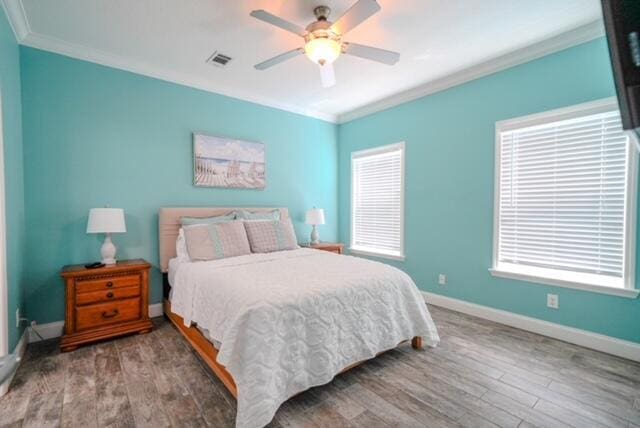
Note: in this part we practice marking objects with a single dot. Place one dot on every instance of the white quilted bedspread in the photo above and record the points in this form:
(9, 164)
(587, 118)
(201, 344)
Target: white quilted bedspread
(291, 320)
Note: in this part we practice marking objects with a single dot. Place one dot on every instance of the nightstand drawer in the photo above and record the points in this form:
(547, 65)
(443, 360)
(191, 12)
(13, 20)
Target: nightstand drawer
(101, 284)
(107, 295)
(100, 314)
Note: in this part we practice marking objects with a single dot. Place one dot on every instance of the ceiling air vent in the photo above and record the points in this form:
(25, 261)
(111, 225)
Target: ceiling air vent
(218, 59)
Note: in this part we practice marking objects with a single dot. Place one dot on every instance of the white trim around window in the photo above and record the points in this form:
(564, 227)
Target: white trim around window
(391, 160)
(586, 281)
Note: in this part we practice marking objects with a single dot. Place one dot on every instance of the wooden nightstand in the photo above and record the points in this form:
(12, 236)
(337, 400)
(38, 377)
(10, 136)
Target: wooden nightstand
(106, 302)
(327, 246)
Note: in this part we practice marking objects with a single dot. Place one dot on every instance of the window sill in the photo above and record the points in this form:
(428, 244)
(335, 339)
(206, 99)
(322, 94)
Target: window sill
(376, 254)
(613, 291)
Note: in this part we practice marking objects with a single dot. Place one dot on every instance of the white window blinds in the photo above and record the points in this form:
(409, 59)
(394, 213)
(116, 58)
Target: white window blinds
(563, 199)
(377, 189)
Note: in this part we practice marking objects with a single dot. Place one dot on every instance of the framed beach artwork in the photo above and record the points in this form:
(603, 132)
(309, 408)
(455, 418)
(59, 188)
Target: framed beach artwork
(227, 162)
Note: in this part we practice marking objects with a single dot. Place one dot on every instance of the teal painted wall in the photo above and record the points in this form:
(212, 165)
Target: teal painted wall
(449, 184)
(14, 179)
(95, 135)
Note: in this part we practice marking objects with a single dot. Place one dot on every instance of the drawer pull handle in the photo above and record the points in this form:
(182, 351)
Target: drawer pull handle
(109, 284)
(110, 295)
(114, 313)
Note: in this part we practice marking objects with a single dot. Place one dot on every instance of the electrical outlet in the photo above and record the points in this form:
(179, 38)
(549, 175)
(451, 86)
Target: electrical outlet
(553, 301)
(442, 279)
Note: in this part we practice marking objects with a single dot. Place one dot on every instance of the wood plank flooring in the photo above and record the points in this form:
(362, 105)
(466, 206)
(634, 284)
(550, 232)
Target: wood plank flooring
(481, 375)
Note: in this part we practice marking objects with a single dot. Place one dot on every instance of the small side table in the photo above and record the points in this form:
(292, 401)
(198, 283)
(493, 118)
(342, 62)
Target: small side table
(333, 247)
(106, 302)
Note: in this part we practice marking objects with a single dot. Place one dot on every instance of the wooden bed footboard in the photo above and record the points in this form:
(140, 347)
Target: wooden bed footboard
(209, 353)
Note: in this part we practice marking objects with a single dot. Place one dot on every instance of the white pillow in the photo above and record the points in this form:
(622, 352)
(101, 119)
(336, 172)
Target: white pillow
(181, 247)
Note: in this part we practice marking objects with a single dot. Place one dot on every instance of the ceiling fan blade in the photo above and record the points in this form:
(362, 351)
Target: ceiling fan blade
(327, 75)
(278, 59)
(356, 15)
(369, 52)
(265, 16)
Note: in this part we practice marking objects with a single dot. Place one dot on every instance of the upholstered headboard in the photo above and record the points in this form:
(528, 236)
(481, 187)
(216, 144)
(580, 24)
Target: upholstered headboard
(169, 225)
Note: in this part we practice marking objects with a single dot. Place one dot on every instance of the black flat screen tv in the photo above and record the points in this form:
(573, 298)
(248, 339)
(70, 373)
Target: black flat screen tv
(622, 24)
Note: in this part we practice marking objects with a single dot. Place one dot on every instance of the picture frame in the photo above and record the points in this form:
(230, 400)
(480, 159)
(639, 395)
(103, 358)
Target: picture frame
(228, 162)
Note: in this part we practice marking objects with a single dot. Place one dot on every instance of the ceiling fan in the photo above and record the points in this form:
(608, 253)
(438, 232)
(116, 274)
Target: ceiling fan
(323, 39)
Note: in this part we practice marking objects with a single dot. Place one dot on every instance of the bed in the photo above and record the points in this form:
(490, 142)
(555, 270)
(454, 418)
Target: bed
(273, 325)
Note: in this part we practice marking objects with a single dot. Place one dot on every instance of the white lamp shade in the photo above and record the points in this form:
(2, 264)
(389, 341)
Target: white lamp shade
(315, 216)
(106, 220)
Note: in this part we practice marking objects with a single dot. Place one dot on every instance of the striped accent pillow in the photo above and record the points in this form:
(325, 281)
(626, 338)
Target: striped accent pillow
(216, 241)
(268, 236)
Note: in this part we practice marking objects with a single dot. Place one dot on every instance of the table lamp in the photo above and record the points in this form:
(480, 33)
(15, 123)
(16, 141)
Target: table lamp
(315, 217)
(107, 221)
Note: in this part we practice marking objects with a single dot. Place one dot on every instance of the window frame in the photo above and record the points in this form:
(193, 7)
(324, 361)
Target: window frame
(629, 260)
(370, 152)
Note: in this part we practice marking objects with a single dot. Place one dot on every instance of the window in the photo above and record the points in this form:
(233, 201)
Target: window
(565, 199)
(377, 201)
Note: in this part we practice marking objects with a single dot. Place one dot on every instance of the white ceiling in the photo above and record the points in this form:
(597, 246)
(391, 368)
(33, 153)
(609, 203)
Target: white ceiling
(171, 39)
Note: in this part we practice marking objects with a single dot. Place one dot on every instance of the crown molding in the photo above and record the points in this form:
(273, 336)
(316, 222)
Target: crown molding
(579, 35)
(85, 53)
(17, 18)
(20, 24)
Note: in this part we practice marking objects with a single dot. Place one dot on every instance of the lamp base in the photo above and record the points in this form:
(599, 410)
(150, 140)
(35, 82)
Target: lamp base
(315, 236)
(108, 251)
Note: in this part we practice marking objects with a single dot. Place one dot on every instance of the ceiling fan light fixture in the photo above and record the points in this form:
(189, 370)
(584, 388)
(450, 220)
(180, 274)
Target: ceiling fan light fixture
(323, 39)
(323, 50)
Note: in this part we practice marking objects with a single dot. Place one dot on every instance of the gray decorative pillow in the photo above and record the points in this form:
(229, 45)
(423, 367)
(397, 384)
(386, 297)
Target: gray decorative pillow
(268, 236)
(263, 215)
(187, 221)
(216, 241)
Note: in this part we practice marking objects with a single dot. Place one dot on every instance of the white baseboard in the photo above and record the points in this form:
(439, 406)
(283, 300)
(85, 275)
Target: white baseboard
(49, 330)
(599, 342)
(20, 349)
(155, 310)
(54, 329)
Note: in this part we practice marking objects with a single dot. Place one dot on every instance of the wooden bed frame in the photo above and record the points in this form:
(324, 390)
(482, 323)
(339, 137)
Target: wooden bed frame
(169, 225)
